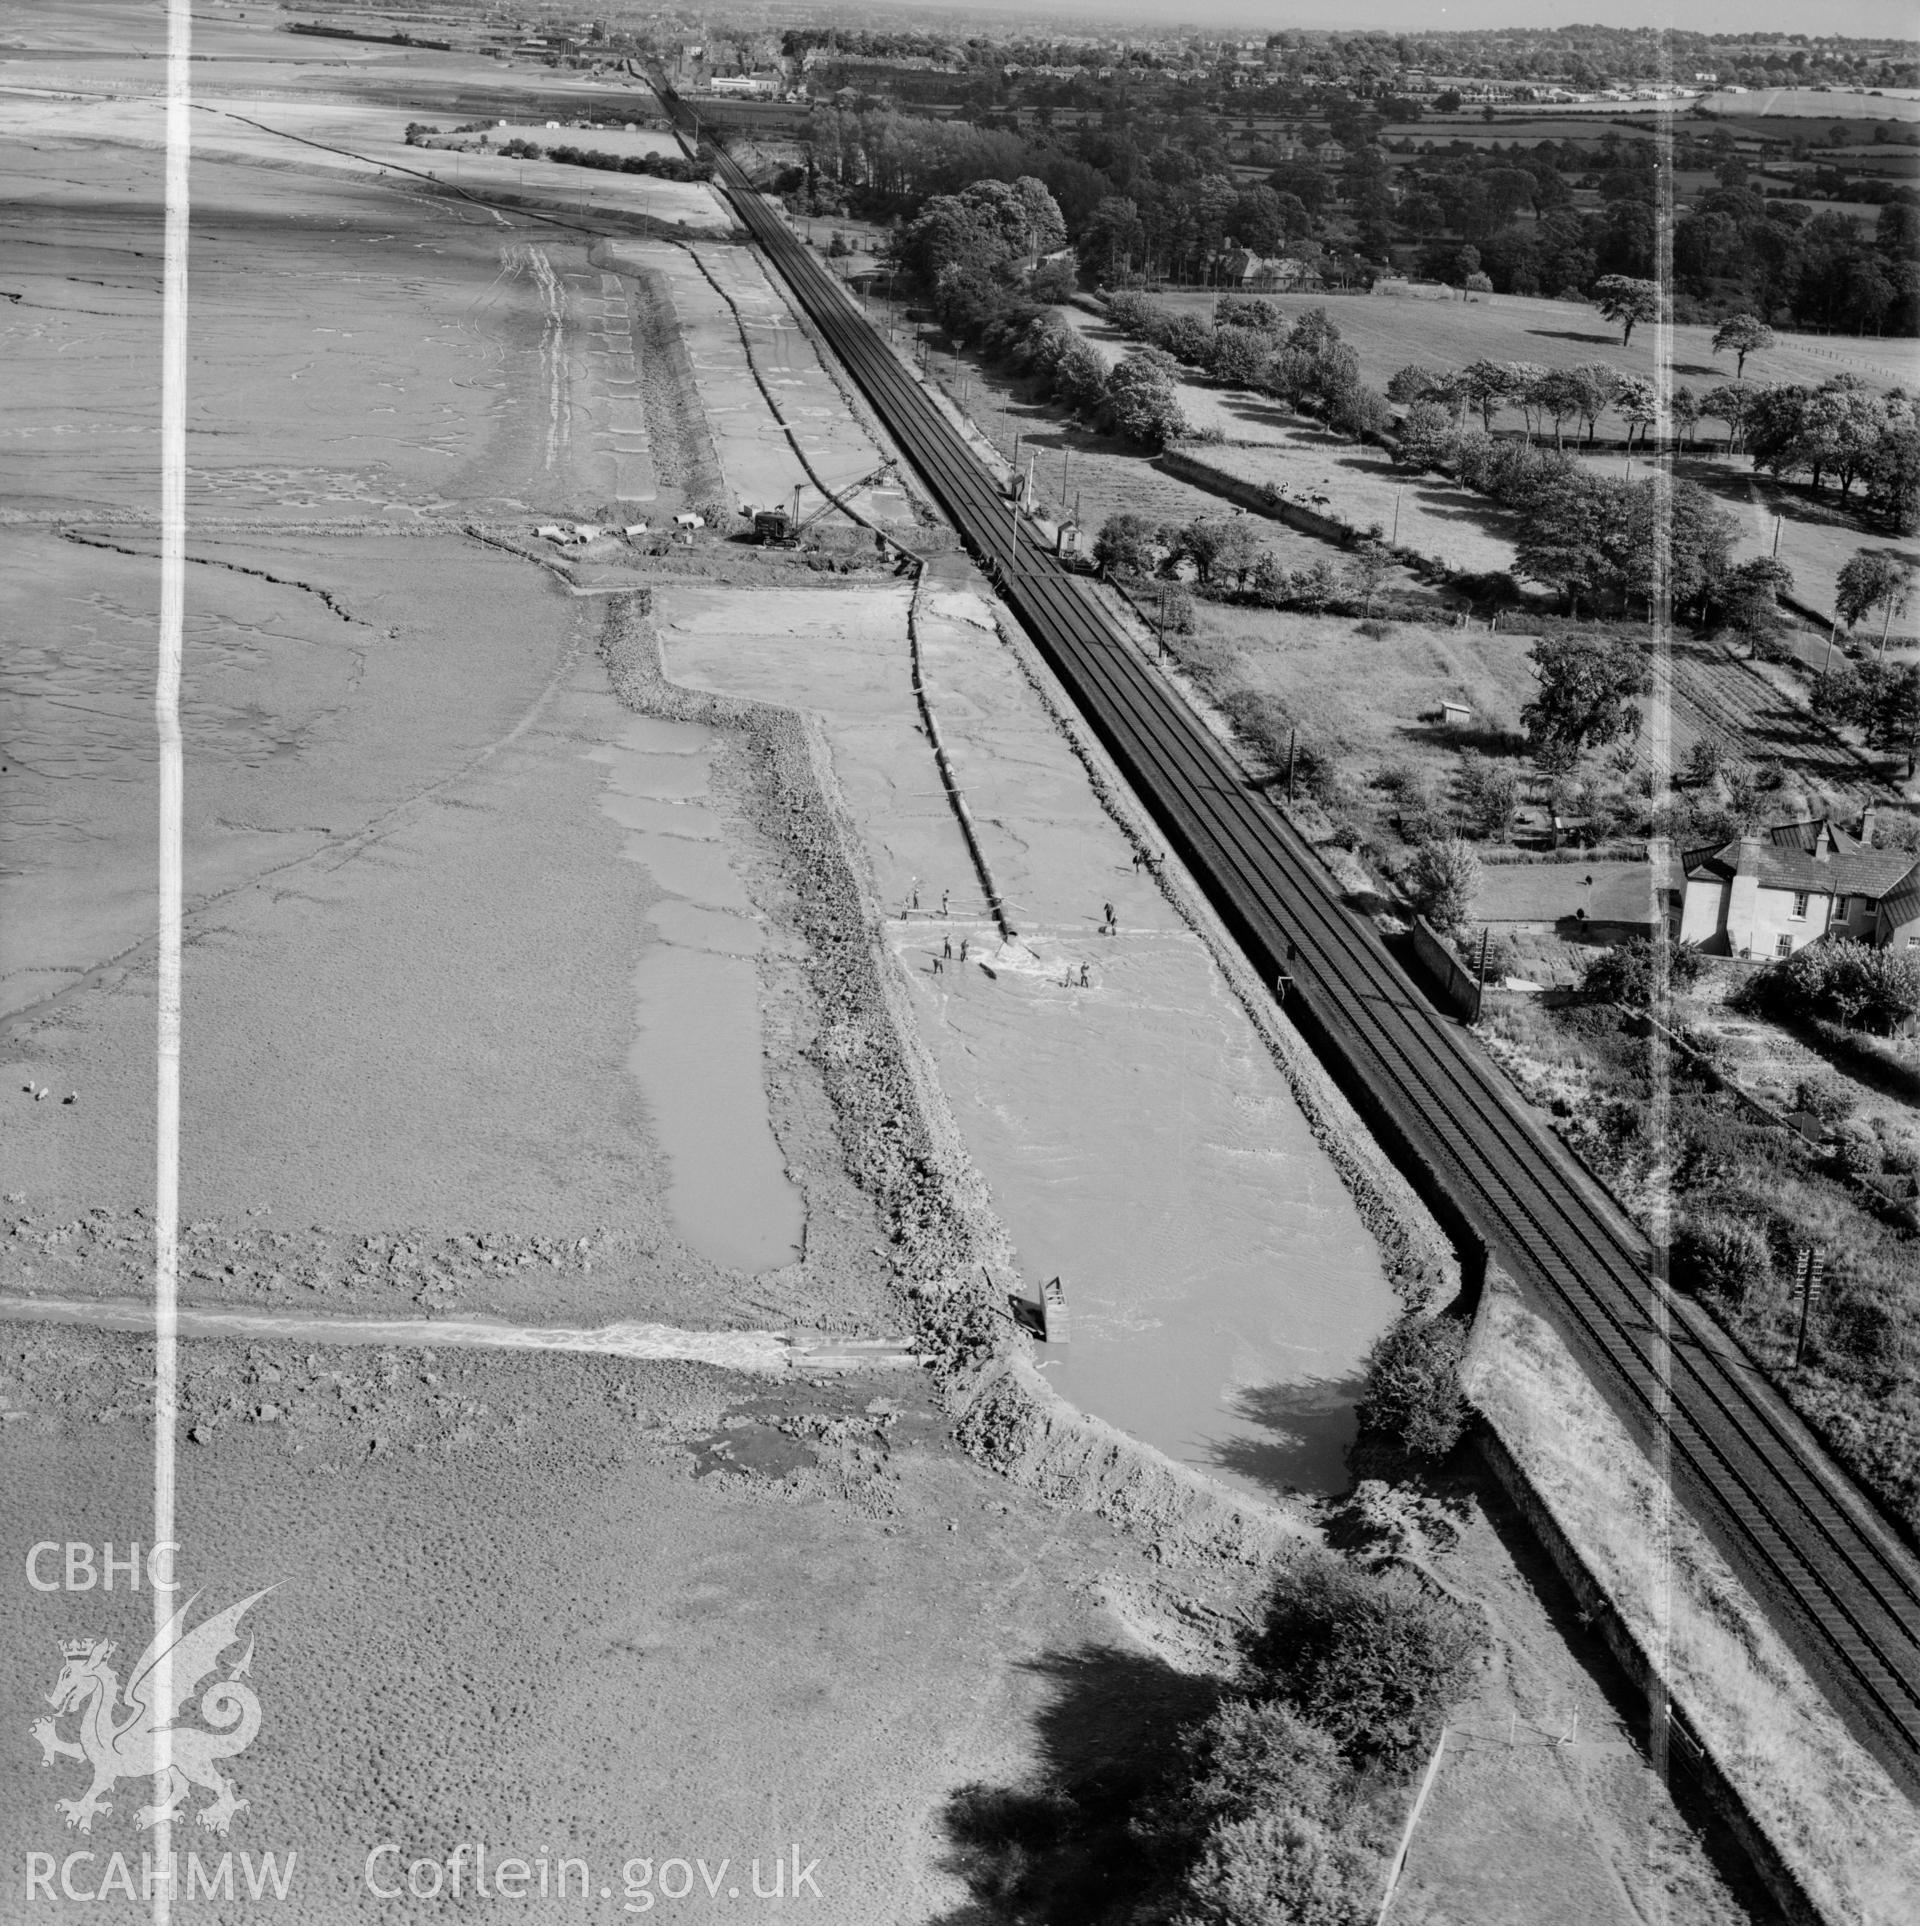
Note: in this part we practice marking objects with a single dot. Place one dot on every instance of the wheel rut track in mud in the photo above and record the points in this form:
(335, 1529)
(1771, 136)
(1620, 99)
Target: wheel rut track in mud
(1843, 1585)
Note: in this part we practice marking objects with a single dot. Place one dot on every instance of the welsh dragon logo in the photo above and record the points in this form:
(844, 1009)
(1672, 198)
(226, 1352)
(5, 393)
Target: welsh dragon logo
(119, 1733)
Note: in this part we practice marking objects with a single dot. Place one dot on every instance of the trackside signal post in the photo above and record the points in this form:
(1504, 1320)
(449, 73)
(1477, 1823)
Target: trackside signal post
(1809, 1284)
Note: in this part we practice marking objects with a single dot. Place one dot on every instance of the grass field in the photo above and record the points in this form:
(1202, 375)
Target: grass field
(1579, 126)
(1427, 513)
(1373, 702)
(1809, 103)
(1441, 331)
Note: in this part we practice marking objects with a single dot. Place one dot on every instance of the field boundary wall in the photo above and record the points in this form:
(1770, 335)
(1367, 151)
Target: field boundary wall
(1254, 495)
(1456, 983)
(1685, 1750)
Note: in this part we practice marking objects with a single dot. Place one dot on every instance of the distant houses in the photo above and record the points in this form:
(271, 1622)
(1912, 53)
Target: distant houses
(759, 86)
(1239, 267)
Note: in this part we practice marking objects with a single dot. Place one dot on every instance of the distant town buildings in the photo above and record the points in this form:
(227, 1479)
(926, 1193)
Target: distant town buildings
(761, 86)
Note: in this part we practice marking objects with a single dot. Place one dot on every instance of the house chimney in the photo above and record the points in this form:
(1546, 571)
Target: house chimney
(1867, 816)
(1743, 897)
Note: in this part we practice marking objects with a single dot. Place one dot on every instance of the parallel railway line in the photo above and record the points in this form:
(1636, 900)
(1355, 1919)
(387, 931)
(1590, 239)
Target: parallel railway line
(1844, 1587)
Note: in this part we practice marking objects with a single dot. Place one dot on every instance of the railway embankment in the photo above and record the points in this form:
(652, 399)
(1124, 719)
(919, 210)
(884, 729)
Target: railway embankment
(1821, 1822)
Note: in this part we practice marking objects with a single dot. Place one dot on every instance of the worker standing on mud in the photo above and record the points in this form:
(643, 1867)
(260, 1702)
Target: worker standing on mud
(1086, 980)
(946, 947)
(1108, 925)
(963, 949)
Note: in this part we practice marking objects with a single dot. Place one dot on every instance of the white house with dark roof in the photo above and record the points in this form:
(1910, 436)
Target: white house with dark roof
(1773, 892)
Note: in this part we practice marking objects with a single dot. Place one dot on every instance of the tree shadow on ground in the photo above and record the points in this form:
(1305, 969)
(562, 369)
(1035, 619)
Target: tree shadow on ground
(1310, 1424)
(1575, 334)
(1443, 503)
(1885, 1074)
(1262, 412)
(1483, 736)
(1743, 487)
(1045, 424)
(1056, 1847)
(1439, 500)
(1363, 460)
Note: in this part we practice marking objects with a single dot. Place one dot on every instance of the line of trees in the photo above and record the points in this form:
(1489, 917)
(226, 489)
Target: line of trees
(1880, 699)
(982, 255)
(662, 167)
(1224, 559)
(1605, 540)
(1437, 402)
(1839, 430)
(1281, 1803)
(1844, 430)
(1249, 344)
(1845, 982)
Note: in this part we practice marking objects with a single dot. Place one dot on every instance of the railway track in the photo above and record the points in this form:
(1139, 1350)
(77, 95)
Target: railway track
(1842, 1585)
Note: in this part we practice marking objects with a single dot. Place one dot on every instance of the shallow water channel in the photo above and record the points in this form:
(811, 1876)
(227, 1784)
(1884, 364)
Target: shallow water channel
(696, 1051)
(1141, 1145)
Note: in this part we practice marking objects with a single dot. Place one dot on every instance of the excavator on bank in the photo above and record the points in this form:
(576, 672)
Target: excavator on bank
(782, 527)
